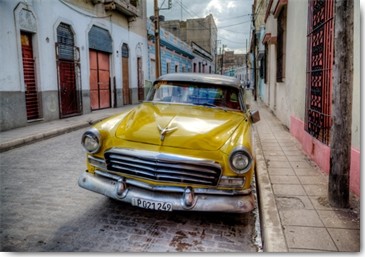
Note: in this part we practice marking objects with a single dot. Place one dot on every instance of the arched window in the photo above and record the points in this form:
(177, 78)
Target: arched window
(125, 51)
(65, 40)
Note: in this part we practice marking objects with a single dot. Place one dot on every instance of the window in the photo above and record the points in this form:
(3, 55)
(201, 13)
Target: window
(266, 70)
(168, 67)
(262, 67)
(320, 51)
(125, 51)
(281, 46)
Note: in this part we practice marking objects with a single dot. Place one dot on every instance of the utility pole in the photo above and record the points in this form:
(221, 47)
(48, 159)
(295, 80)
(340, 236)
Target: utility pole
(222, 59)
(254, 62)
(246, 80)
(340, 141)
(216, 56)
(157, 39)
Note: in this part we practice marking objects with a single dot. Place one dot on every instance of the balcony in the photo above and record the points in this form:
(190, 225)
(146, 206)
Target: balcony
(130, 8)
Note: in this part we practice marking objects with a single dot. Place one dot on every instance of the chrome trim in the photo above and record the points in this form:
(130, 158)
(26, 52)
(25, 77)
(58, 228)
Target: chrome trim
(163, 167)
(233, 182)
(240, 149)
(97, 162)
(91, 132)
(178, 200)
(170, 189)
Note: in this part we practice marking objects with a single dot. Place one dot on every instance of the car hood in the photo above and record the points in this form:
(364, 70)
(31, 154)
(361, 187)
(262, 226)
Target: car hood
(181, 126)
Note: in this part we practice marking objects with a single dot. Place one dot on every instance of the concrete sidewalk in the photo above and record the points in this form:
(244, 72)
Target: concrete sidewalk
(292, 190)
(42, 130)
(295, 213)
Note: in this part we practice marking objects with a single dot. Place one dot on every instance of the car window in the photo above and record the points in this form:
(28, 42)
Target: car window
(207, 95)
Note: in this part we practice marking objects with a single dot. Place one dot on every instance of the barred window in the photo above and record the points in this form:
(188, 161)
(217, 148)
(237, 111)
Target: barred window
(320, 54)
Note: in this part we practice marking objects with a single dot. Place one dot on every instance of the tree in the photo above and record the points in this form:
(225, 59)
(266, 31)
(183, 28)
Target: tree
(340, 142)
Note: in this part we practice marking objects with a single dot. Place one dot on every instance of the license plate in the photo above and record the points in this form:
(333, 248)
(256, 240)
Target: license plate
(152, 205)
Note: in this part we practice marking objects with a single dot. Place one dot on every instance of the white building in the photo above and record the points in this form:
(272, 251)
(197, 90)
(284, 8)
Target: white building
(298, 68)
(61, 58)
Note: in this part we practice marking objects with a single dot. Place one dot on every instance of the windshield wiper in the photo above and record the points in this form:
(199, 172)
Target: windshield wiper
(206, 104)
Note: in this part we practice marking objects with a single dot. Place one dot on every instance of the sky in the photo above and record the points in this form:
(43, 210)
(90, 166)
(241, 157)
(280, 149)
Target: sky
(232, 18)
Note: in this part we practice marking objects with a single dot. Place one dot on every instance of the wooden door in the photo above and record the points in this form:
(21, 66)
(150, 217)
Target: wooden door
(100, 92)
(68, 66)
(140, 79)
(68, 92)
(31, 92)
(125, 74)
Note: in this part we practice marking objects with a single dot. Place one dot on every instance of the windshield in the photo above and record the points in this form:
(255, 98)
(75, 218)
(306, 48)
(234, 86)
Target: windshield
(207, 95)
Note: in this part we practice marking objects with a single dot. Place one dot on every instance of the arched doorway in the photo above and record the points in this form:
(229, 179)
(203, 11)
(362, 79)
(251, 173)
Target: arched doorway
(100, 47)
(68, 67)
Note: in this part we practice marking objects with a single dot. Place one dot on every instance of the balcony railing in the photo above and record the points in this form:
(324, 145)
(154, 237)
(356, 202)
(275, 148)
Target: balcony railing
(129, 8)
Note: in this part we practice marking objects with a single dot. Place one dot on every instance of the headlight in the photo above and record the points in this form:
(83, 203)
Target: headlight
(240, 160)
(91, 140)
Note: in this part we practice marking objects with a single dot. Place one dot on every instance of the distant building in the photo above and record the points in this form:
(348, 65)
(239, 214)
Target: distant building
(176, 55)
(202, 32)
(69, 57)
(232, 65)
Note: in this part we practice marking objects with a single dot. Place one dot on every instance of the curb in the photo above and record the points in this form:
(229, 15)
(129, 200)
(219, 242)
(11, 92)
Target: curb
(272, 233)
(45, 135)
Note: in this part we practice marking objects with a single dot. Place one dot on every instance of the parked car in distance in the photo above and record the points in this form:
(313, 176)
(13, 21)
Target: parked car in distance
(187, 147)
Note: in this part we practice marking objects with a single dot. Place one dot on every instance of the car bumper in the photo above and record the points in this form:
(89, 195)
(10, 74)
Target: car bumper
(186, 200)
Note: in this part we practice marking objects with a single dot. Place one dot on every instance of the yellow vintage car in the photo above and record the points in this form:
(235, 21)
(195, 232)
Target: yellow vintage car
(187, 147)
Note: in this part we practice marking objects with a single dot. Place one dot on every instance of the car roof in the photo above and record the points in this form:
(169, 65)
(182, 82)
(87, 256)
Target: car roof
(203, 78)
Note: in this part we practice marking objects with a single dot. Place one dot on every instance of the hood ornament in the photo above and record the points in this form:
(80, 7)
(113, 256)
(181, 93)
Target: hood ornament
(164, 131)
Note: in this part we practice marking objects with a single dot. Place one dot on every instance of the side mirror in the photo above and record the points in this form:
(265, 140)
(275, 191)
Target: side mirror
(255, 116)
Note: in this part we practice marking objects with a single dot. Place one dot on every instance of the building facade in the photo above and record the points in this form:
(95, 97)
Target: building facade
(176, 55)
(234, 65)
(201, 31)
(298, 71)
(69, 57)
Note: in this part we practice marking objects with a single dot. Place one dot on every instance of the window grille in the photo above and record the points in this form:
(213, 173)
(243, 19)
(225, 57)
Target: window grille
(125, 51)
(320, 55)
(65, 40)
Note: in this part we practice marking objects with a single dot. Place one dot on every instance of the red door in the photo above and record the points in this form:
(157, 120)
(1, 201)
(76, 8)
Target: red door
(69, 101)
(140, 79)
(68, 67)
(126, 94)
(99, 80)
(125, 74)
(31, 93)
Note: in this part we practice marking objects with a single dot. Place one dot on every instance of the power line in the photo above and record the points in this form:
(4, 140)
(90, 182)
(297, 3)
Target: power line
(232, 25)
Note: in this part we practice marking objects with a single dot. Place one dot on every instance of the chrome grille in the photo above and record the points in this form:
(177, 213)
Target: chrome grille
(163, 167)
